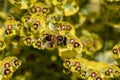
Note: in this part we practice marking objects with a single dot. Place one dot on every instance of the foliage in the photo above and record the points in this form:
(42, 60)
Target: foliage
(59, 39)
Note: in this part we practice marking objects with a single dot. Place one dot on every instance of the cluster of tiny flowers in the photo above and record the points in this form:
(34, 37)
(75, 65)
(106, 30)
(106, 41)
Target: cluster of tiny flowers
(42, 27)
(8, 66)
(91, 70)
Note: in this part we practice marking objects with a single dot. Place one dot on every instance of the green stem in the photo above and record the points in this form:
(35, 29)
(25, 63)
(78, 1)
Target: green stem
(5, 6)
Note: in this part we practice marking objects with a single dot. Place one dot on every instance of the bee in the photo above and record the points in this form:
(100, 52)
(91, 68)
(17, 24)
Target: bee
(51, 39)
(61, 40)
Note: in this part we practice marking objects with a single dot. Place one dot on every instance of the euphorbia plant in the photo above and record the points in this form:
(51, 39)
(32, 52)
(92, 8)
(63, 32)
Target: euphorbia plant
(78, 31)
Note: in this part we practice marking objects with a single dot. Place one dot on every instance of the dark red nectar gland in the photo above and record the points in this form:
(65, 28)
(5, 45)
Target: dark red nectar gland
(78, 68)
(7, 65)
(63, 27)
(107, 73)
(44, 10)
(29, 40)
(115, 51)
(77, 64)
(110, 70)
(76, 44)
(38, 44)
(10, 17)
(8, 31)
(68, 27)
(67, 63)
(7, 71)
(9, 27)
(72, 40)
(35, 26)
(84, 73)
(16, 62)
(38, 9)
(98, 78)
(33, 10)
(117, 73)
(93, 74)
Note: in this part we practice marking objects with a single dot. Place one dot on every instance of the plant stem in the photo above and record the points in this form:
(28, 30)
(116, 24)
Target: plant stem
(5, 6)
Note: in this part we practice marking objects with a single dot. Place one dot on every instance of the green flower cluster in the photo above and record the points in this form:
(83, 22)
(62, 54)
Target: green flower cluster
(90, 70)
(116, 52)
(8, 66)
(48, 25)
